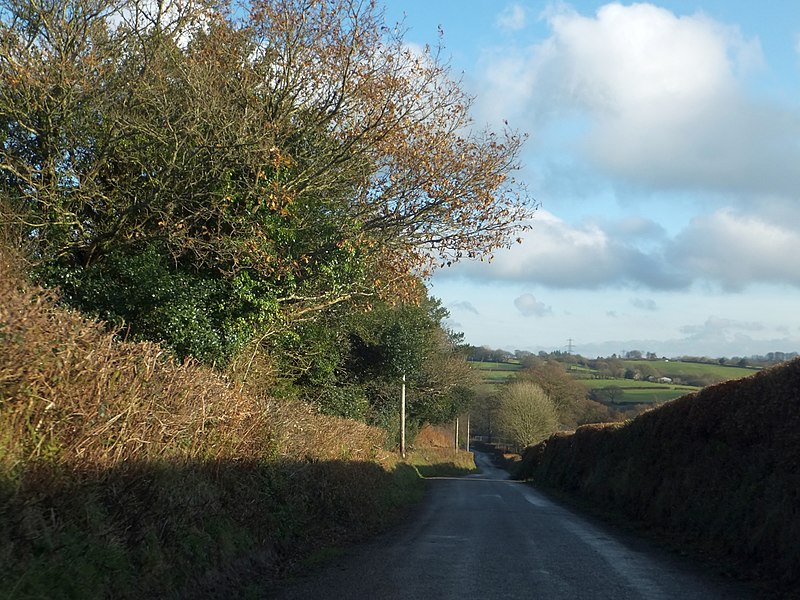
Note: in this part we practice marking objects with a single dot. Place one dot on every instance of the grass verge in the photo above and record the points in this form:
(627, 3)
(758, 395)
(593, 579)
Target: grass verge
(442, 462)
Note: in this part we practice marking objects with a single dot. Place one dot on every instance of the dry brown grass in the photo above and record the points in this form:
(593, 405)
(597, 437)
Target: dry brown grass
(72, 394)
(430, 436)
(124, 473)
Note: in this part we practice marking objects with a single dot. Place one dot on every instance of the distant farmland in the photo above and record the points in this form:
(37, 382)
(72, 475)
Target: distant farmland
(637, 392)
(622, 391)
(678, 368)
(493, 372)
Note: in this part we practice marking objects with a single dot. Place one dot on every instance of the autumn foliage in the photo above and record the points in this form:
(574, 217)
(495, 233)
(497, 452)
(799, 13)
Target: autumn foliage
(74, 395)
(126, 473)
(214, 175)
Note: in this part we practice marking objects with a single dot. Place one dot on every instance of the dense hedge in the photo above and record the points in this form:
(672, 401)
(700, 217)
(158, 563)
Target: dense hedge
(125, 473)
(720, 468)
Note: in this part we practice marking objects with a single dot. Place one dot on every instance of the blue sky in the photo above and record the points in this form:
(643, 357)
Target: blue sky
(664, 151)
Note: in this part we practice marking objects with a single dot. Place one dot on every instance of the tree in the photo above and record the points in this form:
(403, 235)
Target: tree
(567, 395)
(611, 393)
(483, 413)
(526, 414)
(391, 341)
(350, 363)
(445, 383)
(647, 372)
(242, 168)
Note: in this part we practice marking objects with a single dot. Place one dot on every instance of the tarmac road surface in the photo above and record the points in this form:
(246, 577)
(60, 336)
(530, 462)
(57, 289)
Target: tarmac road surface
(485, 537)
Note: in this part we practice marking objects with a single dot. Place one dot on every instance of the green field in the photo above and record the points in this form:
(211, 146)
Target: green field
(493, 373)
(677, 368)
(639, 392)
(643, 391)
(495, 366)
(633, 391)
(594, 384)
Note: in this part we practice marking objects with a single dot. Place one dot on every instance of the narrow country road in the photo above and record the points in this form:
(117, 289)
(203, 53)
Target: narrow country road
(486, 537)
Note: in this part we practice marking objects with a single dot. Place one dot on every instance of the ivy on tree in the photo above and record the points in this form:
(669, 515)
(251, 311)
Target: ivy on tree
(241, 180)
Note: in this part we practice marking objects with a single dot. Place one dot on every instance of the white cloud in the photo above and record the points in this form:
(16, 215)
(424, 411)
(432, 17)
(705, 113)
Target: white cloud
(512, 18)
(736, 250)
(657, 105)
(664, 97)
(718, 327)
(529, 306)
(558, 255)
(728, 248)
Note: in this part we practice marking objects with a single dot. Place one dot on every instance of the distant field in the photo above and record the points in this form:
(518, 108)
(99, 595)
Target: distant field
(648, 396)
(630, 383)
(493, 373)
(633, 391)
(495, 366)
(676, 368)
(639, 392)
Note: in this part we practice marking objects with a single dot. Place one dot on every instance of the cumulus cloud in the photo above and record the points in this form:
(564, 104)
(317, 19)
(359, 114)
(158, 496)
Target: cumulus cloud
(529, 306)
(559, 255)
(728, 248)
(645, 101)
(512, 18)
(735, 250)
(661, 97)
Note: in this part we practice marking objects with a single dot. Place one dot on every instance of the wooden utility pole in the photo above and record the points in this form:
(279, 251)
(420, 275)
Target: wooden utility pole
(403, 418)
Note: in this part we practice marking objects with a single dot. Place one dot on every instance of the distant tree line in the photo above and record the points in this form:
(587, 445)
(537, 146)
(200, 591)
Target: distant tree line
(485, 353)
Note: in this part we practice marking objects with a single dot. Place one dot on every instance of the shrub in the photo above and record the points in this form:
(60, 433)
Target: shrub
(126, 473)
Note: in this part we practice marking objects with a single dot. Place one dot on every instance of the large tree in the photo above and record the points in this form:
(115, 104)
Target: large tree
(569, 397)
(213, 174)
(526, 414)
(411, 341)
